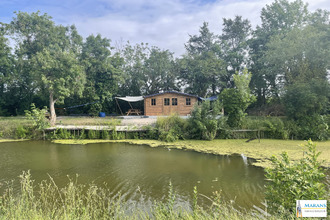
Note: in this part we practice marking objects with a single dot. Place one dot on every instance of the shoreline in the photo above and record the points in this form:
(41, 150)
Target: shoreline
(260, 152)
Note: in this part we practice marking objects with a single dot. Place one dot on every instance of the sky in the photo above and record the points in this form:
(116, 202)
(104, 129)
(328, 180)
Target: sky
(166, 24)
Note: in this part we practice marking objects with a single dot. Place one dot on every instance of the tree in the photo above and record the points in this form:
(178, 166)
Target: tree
(160, 73)
(201, 69)
(61, 75)
(236, 100)
(304, 99)
(133, 69)
(47, 56)
(147, 70)
(103, 72)
(234, 47)
(279, 17)
(6, 71)
(300, 55)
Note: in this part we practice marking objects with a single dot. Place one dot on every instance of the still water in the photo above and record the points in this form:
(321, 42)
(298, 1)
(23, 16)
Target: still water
(139, 173)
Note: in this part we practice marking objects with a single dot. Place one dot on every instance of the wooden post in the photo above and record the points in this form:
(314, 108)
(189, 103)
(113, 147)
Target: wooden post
(119, 107)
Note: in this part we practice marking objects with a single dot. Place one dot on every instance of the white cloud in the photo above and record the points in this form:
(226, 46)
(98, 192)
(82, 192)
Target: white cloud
(163, 23)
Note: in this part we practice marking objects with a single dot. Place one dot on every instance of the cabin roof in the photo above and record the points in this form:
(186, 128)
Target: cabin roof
(175, 92)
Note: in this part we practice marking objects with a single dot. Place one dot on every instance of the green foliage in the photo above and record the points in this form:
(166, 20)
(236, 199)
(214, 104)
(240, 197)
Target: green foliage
(116, 135)
(92, 134)
(288, 182)
(105, 135)
(201, 69)
(307, 99)
(236, 100)
(315, 127)
(46, 200)
(63, 134)
(170, 128)
(21, 132)
(203, 122)
(233, 41)
(152, 132)
(38, 116)
(147, 70)
(276, 129)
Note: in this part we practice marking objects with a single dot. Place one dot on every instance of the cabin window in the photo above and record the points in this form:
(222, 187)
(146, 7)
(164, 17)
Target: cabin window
(153, 101)
(166, 101)
(188, 101)
(174, 101)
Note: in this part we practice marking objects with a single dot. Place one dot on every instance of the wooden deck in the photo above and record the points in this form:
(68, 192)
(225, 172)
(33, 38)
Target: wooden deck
(96, 128)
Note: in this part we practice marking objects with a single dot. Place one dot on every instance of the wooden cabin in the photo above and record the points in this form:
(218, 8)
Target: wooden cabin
(169, 102)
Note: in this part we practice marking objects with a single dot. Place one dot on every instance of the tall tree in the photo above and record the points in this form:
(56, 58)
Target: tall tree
(277, 18)
(103, 72)
(6, 71)
(202, 68)
(234, 47)
(159, 71)
(48, 55)
(301, 55)
(147, 70)
(133, 69)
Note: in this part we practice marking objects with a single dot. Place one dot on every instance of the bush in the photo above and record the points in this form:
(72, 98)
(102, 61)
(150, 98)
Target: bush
(21, 132)
(170, 128)
(275, 128)
(288, 182)
(203, 122)
(63, 134)
(303, 100)
(105, 135)
(314, 127)
(38, 116)
(236, 100)
(93, 134)
(116, 135)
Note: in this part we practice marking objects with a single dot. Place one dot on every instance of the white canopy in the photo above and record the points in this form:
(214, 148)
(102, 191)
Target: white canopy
(131, 98)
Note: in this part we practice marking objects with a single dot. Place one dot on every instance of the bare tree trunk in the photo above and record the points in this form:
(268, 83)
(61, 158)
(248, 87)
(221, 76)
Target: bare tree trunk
(52, 109)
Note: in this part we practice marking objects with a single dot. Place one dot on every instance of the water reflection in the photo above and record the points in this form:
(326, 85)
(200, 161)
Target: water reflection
(139, 173)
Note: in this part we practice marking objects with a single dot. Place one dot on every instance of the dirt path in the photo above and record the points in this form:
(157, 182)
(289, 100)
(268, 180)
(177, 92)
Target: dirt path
(138, 121)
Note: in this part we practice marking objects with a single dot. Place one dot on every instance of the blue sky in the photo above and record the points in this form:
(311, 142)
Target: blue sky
(163, 23)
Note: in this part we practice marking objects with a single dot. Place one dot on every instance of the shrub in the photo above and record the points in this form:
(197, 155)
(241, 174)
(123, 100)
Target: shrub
(151, 133)
(116, 135)
(170, 128)
(38, 116)
(105, 134)
(63, 134)
(236, 100)
(21, 132)
(203, 123)
(314, 127)
(275, 128)
(288, 182)
(93, 134)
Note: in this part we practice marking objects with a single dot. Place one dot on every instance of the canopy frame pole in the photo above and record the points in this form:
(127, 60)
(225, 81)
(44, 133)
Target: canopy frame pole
(119, 107)
(130, 105)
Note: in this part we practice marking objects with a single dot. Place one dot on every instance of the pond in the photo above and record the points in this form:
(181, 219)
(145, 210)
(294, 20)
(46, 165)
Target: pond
(139, 173)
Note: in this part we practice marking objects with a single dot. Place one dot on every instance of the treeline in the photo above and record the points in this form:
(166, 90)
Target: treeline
(287, 55)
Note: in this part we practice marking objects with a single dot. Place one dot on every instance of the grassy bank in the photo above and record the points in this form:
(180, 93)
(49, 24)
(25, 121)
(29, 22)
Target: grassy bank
(260, 151)
(76, 201)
